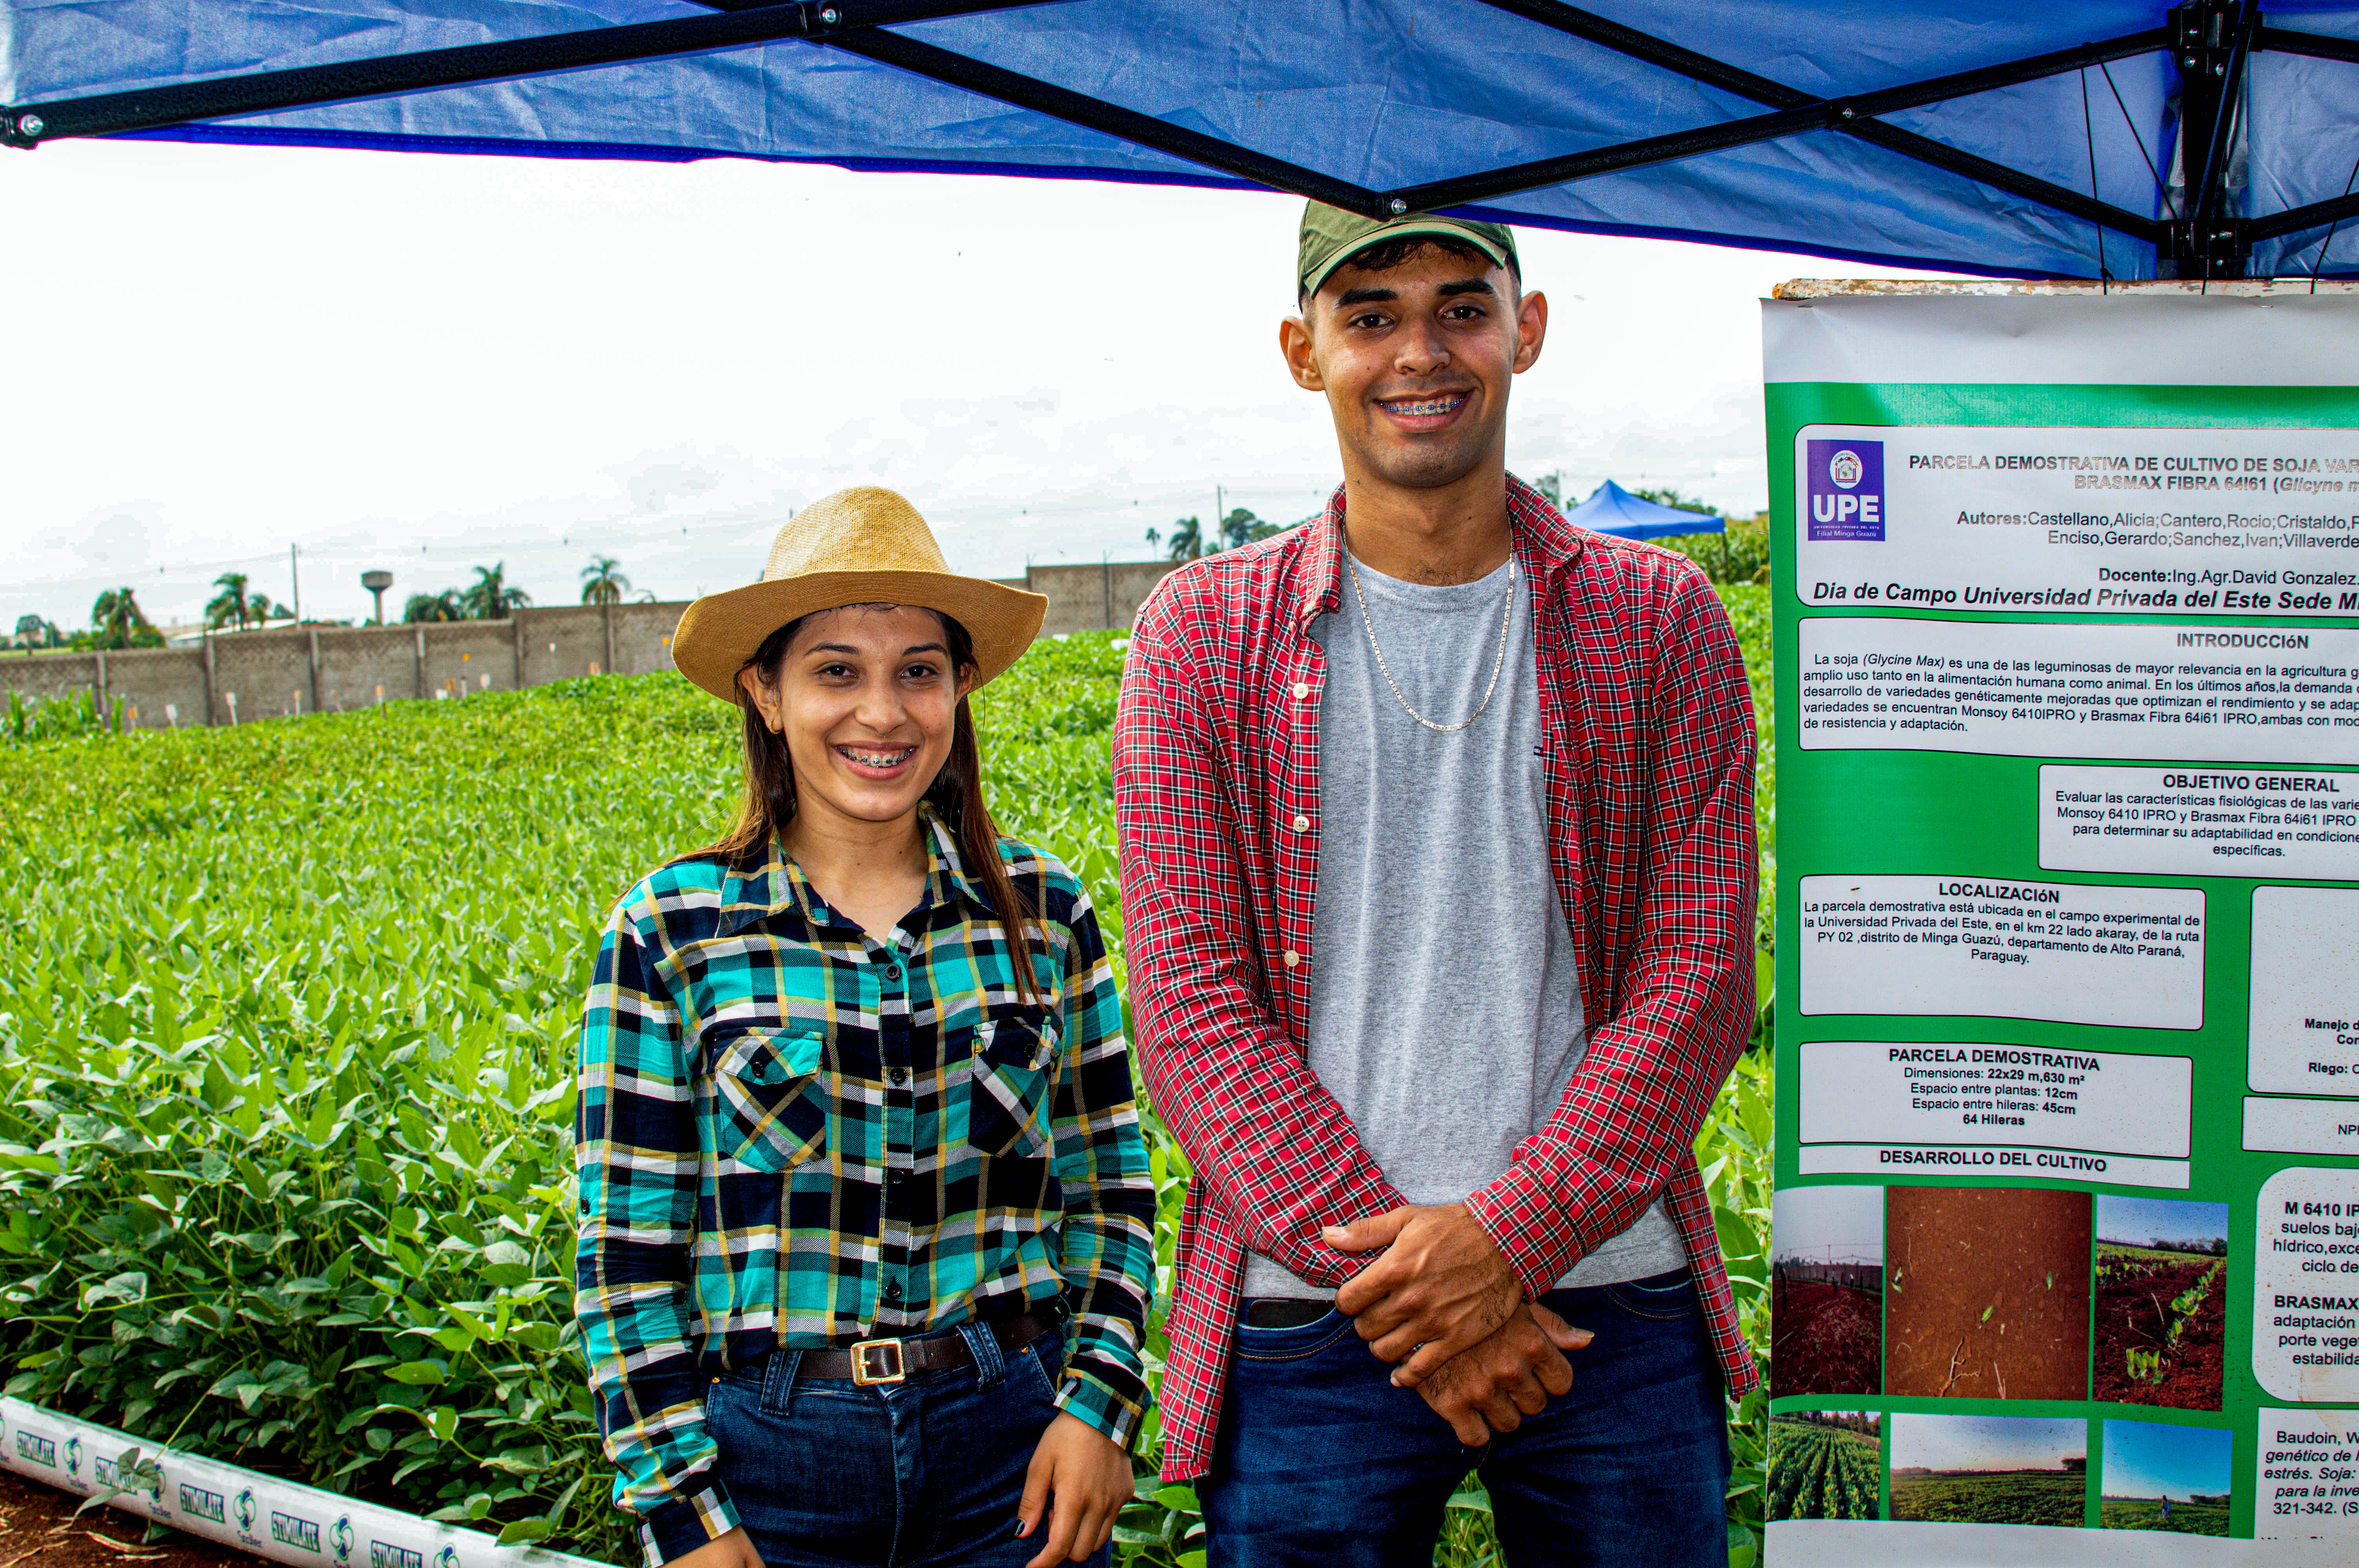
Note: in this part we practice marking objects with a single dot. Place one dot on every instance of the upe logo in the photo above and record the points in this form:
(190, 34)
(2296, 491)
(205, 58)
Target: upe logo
(204, 1505)
(40, 1450)
(340, 1535)
(243, 1506)
(1846, 490)
(288, 1530)
(447, 1558)
(73, 1457)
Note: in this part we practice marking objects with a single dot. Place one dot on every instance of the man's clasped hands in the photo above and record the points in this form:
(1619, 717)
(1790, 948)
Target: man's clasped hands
(1444, 1305)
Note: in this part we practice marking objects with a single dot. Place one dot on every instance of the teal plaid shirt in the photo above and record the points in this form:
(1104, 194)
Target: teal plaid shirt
(791, 1133)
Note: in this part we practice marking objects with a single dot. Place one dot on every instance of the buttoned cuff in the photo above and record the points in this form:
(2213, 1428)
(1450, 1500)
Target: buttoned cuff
(683, 1524)
(1520, 1216)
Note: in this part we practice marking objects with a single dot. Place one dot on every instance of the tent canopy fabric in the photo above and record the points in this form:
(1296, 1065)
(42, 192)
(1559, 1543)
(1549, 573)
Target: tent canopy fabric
(2115, 137)
(1610, 509)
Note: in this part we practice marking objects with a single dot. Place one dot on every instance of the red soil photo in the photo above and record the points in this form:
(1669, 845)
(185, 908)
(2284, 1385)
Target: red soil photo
(1826, 1339)
(2162, 1319)
(1986, 1293)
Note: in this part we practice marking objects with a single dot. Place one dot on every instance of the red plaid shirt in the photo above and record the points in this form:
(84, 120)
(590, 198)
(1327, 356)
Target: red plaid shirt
(1649, 767)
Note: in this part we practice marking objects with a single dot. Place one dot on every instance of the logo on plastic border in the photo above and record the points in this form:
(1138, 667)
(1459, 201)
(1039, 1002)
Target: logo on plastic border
(1845, 490)
(386, 1554)
(447, 1558)
(202, 1504)
(340, 1535)
(73, 1457)
(40, 1450)
(288, 1530)
(242, 1506)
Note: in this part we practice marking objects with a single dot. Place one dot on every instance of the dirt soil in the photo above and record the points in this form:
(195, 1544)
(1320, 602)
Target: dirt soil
(38, 1530)
(1987, 1293)
(1826, 1340)
(2133, 1313)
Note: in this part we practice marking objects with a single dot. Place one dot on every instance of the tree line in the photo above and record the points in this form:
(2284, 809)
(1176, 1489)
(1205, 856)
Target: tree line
(116, 619)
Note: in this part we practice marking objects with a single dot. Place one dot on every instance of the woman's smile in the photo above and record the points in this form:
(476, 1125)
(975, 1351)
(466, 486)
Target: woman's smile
(876, 761)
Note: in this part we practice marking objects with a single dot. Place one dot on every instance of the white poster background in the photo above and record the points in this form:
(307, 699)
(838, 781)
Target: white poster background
(2305, 1005)
(2247, 521)
(2025, 689)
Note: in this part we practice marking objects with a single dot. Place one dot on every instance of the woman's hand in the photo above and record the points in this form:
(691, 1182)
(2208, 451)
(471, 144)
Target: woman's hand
(1088, 1475)
(734, 1550)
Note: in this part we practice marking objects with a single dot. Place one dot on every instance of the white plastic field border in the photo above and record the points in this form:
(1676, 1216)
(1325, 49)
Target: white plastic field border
(241, 1509)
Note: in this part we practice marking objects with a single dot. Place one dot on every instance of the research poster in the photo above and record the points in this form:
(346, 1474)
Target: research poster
(2065, 1256)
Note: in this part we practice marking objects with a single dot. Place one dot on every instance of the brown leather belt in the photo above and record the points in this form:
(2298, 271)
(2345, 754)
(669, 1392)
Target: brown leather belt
(874, 1361)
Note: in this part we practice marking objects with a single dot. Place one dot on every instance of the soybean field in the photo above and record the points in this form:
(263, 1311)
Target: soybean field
(288, 1017)
(1824, 1466)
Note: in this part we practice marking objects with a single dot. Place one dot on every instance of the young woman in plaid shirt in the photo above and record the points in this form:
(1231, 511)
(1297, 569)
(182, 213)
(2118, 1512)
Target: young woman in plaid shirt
(866, 1220)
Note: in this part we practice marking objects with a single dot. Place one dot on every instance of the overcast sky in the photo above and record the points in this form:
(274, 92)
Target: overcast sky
(427, 362)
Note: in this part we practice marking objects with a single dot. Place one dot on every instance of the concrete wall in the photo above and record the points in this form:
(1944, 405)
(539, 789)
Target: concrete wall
(1092, 597)
(304, 670)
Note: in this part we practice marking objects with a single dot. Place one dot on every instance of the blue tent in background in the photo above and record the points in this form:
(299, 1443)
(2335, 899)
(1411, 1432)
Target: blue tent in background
(1610, 509)
(2105, 137)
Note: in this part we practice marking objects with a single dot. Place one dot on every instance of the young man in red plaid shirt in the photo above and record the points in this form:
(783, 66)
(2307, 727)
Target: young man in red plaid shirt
(1438, 876)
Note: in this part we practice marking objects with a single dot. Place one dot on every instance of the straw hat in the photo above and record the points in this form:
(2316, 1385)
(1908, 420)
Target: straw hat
(862, 546)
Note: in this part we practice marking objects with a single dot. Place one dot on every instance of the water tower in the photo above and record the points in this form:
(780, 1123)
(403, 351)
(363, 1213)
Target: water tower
(376, 583)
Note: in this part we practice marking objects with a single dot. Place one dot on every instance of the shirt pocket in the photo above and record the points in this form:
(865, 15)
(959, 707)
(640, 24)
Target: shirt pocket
(1011, 1070)
(769, 1099)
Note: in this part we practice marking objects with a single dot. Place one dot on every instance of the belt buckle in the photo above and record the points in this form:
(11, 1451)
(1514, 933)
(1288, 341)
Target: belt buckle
(890, 1365)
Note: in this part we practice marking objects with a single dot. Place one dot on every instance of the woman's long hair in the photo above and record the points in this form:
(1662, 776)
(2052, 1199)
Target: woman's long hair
(956, 793)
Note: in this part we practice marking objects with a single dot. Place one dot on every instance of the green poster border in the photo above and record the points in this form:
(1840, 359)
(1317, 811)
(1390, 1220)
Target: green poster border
(1817, 803)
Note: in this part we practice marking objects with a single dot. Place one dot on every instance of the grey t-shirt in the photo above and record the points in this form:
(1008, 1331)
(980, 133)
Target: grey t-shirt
(1445, 1009)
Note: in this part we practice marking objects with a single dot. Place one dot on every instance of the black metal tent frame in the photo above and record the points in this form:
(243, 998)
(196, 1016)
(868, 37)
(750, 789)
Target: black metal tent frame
(2209, 41)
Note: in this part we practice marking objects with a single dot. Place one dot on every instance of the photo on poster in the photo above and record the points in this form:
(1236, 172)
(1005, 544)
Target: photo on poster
(2166, 1477)
(1986, 1293)
(1989, 1469)
(1825, 1464)
(1826, 1287)
(2161, 1286)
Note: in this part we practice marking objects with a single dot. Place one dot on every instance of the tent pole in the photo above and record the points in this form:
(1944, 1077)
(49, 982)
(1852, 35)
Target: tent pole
(2210, 42)
(267, 92)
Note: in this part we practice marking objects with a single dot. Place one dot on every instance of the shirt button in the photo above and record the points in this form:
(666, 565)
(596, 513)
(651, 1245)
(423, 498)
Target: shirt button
(899, 1075)
(893, 1178)
(892, 1291)
(1302, 825)
(1292, 957)
(892, 971)
(1301, 691)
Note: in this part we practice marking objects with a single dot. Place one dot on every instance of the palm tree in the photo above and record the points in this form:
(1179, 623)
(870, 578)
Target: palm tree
(442, 606)
(1187, 539)
(489, 598)
(602, 583)
(1241, 527)
(117, 618)
(231, 604)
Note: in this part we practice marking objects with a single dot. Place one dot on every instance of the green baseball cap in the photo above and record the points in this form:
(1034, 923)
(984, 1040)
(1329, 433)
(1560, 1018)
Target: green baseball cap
(1332, 236)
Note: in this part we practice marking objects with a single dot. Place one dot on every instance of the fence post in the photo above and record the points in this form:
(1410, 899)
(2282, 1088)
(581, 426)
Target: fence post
(515, 624)
(209, 677)
(315, 669)
(606, 622)
(101, 703)
(1105, 569)
(421, 663)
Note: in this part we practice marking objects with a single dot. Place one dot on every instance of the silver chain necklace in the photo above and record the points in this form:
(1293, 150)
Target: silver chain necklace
(1506, 617)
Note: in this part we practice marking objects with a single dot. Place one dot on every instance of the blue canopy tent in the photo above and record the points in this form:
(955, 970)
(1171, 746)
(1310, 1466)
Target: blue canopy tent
(2116, 138)
(1610, 509)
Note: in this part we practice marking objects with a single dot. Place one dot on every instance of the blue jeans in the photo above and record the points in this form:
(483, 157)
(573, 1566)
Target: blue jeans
(925, 1474)
(1321, 1463)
